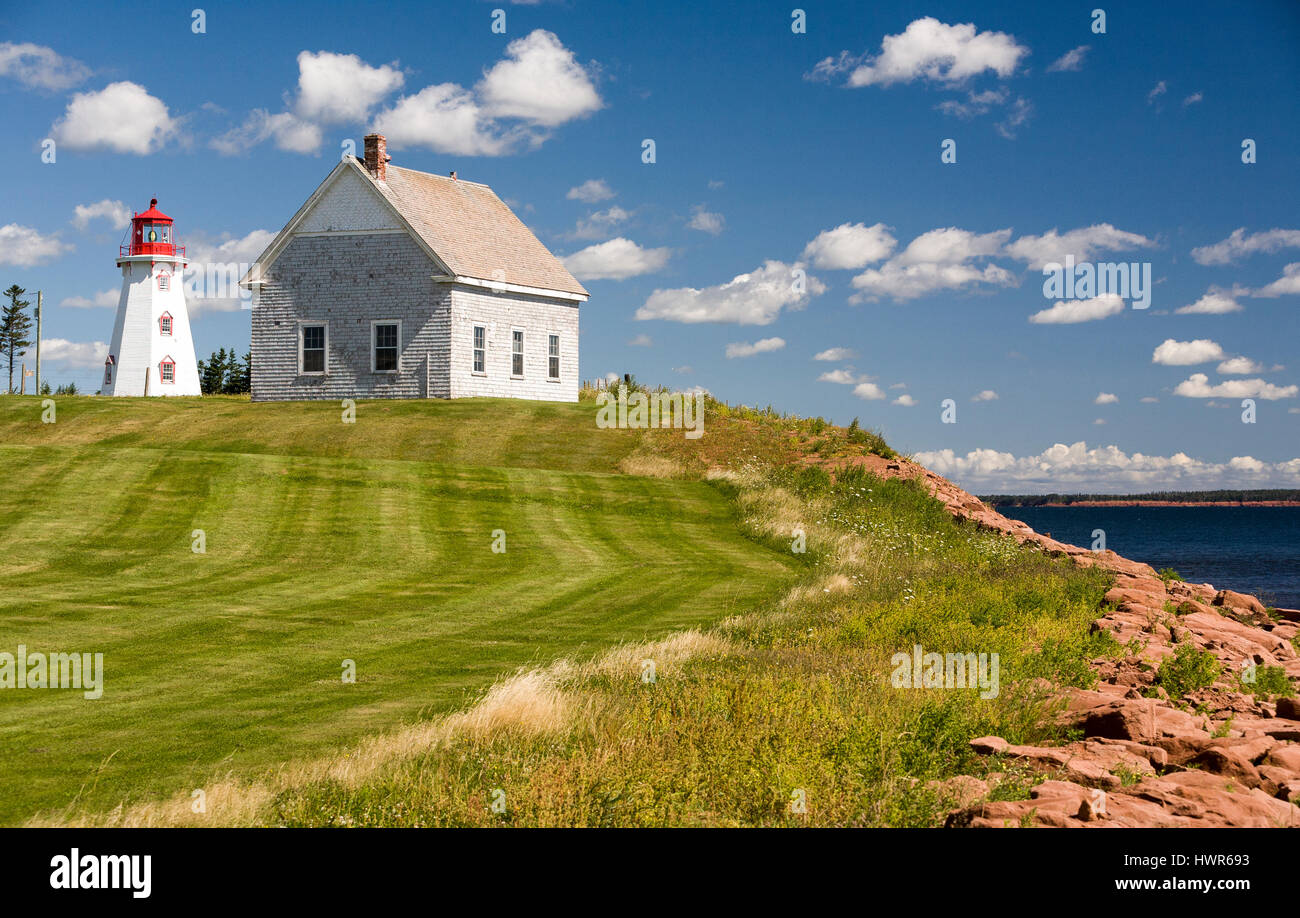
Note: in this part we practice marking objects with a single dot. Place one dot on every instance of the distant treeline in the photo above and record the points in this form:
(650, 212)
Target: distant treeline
(1173, 497)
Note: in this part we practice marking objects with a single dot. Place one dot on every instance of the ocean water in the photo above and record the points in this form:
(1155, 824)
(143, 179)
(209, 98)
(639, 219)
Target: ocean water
(1248, 549)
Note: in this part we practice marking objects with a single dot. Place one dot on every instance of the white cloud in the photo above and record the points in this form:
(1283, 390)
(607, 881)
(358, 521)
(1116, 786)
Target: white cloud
(39, 67)
(216, 264)
(640, 341)
(1173, 353)
(850, 246)
(835, 353)
(842, 377)
(1198, 386)
(1193, 99)
(85, 355)
(1106, 469)
(1149, 400)
(706, 221)
(617, 259)
(1105, 398)
(446, 118)
(1071, 312)
(116, 213)
(755, 298)
(761, 346)
(539, 81)
(987, 395)
(1239, 366)
(102, 299)
(26, 247)
(538, 85)
(1238, 245)
(905, 400)
(1070, 60)
(950, 246)
(1020, 111)
(600, 224)
(932, 50)
(1083, 243)
(1157, 91)
(288, 131)
(1213, 303)
(1288, 283)
(335, 88)
(121, 117)
(868, 391)
(911, 281)
(591, 191)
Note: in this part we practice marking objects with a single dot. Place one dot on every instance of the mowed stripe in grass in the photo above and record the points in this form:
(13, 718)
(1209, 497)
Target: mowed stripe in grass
(231, 660)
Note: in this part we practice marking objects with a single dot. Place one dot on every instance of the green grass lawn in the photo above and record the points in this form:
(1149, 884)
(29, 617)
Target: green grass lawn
(325, 541)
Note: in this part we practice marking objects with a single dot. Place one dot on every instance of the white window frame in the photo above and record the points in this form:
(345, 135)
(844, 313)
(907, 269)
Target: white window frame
(303, 323)
(523, 344)
(164, 280)
(559, 364)
(374, 325)
(162, 377)
(171, 325)
(475, 326)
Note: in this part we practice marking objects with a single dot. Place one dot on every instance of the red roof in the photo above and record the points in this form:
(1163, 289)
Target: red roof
(153, 213)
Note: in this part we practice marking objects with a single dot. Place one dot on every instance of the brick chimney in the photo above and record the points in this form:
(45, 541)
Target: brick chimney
(377, 157)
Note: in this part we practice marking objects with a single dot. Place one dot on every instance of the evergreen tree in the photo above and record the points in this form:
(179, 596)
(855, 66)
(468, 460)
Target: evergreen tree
(15, 325)
(212, 374)
(237, 379)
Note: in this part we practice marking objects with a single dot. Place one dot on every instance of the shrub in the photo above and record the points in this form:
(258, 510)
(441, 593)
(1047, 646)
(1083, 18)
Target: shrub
(1187, 670)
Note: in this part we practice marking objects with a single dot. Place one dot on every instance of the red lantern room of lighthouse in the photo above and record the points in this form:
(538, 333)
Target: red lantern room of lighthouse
(152, 233)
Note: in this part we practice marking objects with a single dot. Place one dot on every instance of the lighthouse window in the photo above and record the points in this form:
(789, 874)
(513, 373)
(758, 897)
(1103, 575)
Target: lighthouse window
(553, 357)
(165, 324)
(167, 371)
(517, 352)
(164, 282)
(384, 335)
(312, 359)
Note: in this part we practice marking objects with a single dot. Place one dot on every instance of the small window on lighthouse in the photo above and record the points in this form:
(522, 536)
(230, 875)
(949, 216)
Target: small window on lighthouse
(164, 280)
(167, 370)
(165, 324)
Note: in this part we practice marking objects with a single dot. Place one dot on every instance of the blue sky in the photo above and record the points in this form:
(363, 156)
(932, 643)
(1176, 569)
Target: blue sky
(1122, 146)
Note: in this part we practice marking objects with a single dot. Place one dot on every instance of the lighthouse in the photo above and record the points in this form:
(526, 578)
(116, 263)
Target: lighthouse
(152, 351)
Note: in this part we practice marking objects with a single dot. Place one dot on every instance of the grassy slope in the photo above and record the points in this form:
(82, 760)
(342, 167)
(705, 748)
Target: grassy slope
(791, 701)
(325, 542)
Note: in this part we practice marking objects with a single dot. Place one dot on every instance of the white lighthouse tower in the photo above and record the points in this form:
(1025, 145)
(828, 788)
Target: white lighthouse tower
(152, 351)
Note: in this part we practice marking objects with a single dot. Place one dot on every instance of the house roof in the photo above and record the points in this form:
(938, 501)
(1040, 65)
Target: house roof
(474, 233)
(463, 225)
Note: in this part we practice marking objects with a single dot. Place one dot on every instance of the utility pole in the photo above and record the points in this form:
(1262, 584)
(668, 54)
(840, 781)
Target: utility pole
(38, 342)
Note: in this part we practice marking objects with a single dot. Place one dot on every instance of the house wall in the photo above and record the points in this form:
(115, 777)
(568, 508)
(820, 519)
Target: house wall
(500, 313)
(348, 280)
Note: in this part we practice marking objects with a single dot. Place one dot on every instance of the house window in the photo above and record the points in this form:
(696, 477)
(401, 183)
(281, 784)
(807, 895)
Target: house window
(164, 280)
(517, 352)
(165, 324)
(312, 343)
(167, 370)
(480, 349)
(553, 357)
(384, 335)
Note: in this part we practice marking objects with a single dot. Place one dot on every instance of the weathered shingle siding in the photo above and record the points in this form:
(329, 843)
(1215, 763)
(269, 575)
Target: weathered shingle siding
(349, 280)
(500, 313)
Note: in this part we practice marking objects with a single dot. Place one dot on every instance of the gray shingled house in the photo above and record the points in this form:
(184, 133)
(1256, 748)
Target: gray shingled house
(392, 283)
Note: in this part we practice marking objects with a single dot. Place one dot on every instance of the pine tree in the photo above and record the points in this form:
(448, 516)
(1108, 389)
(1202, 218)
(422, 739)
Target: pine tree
(15, 325)
(237, 380)
(213, 373)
